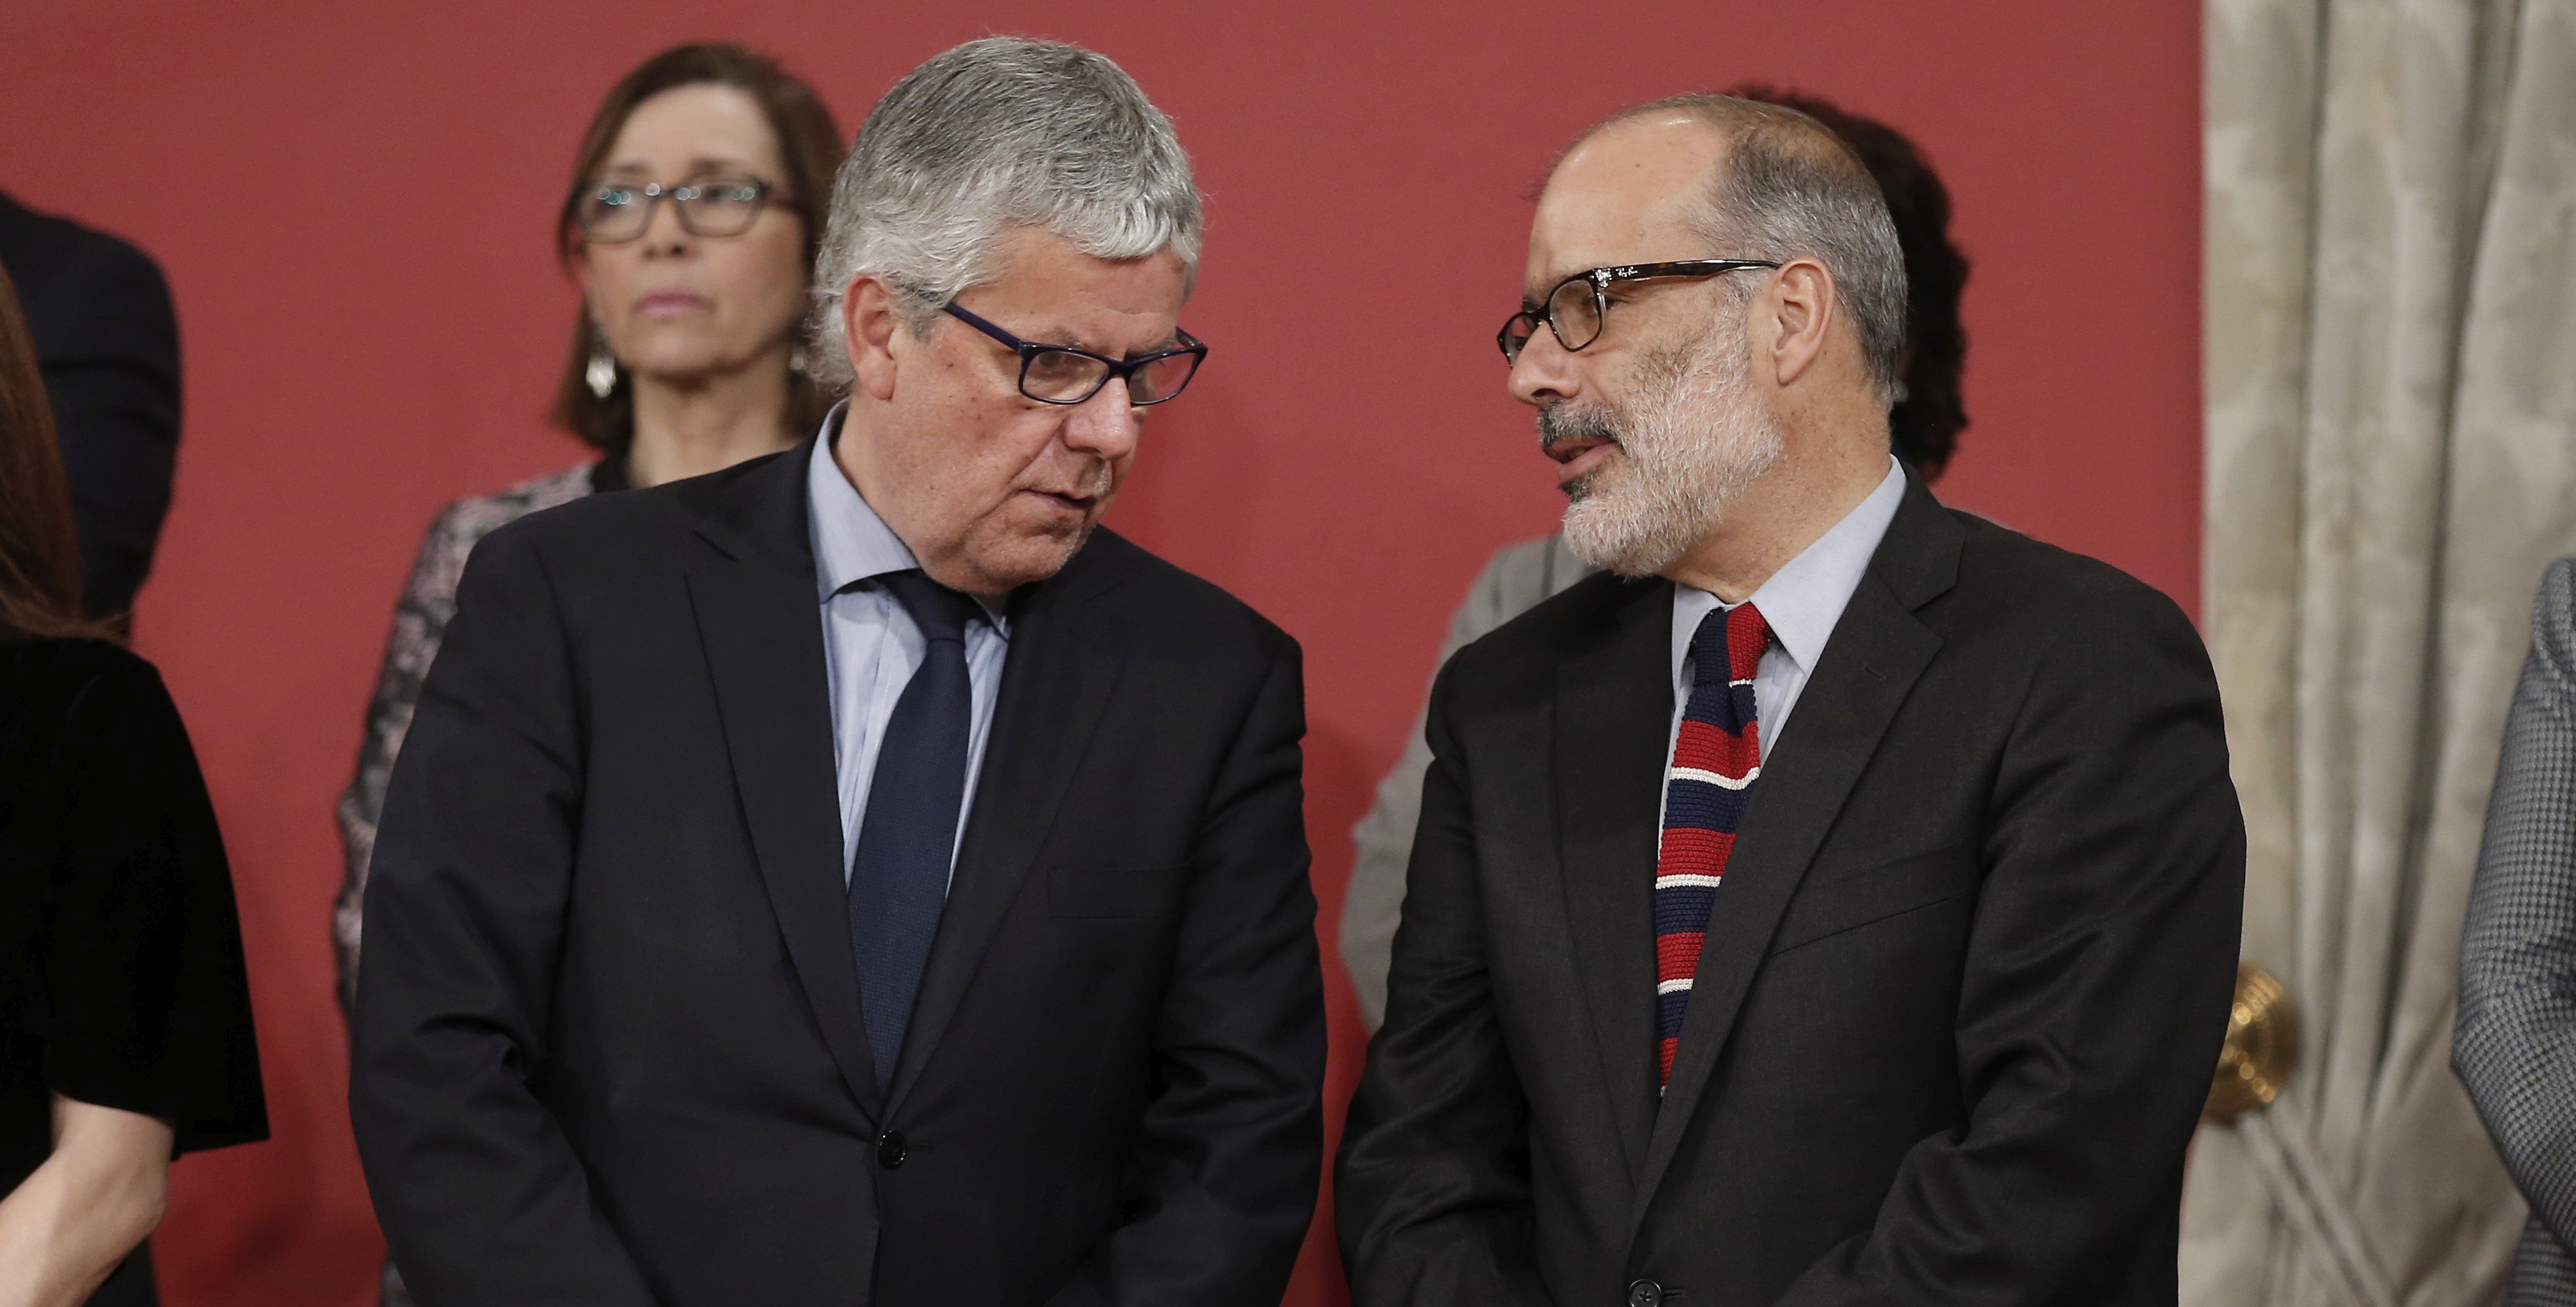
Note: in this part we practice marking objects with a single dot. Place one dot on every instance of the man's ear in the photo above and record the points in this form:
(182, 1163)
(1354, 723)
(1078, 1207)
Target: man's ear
(870, 320)
(1803, 306)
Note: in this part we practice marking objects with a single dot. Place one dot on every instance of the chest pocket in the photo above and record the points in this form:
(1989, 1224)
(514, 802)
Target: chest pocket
(1833, 900)
(1114, 893)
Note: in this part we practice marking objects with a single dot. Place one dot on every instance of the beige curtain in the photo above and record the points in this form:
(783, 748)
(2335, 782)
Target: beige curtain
(2390, 363)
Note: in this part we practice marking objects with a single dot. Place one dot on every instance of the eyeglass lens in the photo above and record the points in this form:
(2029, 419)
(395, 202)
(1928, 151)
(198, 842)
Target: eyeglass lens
(1575, 312)
(1572, 310)
(1060, 377)
(716, 206)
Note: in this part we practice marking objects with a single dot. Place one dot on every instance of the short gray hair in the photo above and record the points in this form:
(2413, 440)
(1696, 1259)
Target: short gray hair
(990, 135)
(1791, 188)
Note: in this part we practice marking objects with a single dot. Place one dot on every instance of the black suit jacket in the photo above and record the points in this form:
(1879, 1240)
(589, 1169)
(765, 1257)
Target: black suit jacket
(1960, 996)
(108, 344)
(608, 1041)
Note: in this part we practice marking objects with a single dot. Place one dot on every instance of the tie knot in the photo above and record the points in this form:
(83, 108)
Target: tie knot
(940, 612)
(1729, 644)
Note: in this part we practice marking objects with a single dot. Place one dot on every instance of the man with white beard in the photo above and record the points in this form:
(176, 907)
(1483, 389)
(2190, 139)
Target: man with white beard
(1917, 1004)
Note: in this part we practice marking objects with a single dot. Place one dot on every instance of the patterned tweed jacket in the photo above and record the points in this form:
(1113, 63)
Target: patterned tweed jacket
(2515, 1047)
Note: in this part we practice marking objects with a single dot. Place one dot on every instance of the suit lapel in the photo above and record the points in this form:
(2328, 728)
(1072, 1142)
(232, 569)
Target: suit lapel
(1613, 714)
(1878, 650)
(759, 622)
(1057, 680)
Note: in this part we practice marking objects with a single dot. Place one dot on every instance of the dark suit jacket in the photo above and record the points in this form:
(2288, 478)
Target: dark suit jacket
(1960, 998)
(608, 1038)
(108, 344)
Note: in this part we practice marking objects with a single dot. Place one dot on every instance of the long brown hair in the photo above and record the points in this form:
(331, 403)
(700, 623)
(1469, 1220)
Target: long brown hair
(809, 146)
(40, 580)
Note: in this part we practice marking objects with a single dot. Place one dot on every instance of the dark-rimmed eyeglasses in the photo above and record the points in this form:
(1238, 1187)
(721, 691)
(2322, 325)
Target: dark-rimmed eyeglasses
(1579, 307)
(616, 212)
(1061, 374)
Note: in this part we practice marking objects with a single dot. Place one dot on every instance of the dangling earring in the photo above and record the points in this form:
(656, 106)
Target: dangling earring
(601, 373)
(796, 359)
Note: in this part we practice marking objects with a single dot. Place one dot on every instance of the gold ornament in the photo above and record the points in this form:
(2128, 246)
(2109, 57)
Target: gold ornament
(2261, 1051)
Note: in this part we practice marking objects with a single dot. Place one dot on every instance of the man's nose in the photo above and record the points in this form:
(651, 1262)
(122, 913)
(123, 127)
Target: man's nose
(1106, 424)
(1543, 372)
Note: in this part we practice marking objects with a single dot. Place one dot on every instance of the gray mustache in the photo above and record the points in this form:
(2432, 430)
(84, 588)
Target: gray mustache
(1563, 421)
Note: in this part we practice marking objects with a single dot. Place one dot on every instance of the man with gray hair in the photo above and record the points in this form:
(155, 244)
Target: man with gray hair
(1915, 1004)
(856, 877)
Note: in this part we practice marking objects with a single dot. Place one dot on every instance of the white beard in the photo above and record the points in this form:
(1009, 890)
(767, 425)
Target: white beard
(1695, 438)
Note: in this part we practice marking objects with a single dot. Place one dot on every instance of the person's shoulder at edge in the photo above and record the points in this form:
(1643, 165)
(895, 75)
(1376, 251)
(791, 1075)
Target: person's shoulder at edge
(562, 517)
(72, 251)
(2554, 611)
(2049, 580)
(1532, 641)
(1166, 587)
(80, 669)
(475, 516)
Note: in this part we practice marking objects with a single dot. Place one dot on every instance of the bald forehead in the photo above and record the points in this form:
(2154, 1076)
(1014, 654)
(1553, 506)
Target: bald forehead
(1625, 194)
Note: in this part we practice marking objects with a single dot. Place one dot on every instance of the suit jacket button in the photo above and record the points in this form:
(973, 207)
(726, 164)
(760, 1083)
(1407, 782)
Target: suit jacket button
(890, 1151)
(1645, 1293)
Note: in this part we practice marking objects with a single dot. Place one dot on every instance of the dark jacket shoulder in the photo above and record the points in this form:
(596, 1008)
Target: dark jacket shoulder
(78, 675)
(2008, 578)
(756, 508)
(1953, 566)
(606, 540)
(48, 256)
(1189, 605)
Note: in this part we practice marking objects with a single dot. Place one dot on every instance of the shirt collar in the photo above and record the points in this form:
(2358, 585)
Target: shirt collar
(851, 543)
(1803, 600)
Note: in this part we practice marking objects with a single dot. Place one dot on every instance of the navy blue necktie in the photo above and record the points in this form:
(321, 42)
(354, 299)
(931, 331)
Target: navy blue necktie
(908, 836)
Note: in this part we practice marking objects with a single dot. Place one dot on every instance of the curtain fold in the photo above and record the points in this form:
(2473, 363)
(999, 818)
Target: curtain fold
(2390, 376)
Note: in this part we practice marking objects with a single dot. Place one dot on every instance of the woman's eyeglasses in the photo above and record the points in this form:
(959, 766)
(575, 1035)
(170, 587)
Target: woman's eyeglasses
(616, 212)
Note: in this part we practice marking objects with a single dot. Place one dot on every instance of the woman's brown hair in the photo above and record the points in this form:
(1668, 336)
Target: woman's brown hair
(39, 558)
(810, 147)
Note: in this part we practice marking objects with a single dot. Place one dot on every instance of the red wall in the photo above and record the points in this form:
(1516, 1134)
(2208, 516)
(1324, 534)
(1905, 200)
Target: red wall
(353, 202)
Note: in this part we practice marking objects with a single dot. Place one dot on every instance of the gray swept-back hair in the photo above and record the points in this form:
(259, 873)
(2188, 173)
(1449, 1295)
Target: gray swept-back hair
(990, 135)
(1790, 188)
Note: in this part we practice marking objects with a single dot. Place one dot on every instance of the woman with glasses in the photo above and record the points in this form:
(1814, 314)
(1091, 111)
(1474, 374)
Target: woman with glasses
(696, 203)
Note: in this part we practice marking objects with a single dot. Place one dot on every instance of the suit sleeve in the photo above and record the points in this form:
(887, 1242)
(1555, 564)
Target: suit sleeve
(2095, 993)
(1229, 1152)
(109, 342)
(2515, 1046)
(481, 1197)
(1433, 1193)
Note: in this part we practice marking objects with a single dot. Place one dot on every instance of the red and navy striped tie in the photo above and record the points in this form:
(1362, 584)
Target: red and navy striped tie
(1716, 758)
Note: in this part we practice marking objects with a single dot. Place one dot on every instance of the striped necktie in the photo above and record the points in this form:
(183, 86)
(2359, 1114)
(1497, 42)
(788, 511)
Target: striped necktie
(1716, 758)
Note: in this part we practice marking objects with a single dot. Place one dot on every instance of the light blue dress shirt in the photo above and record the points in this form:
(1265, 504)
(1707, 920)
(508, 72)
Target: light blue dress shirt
(871, 647)
(1801, 603)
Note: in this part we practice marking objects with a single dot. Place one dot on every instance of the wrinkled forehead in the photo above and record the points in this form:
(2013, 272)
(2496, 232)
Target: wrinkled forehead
(1625, 195)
